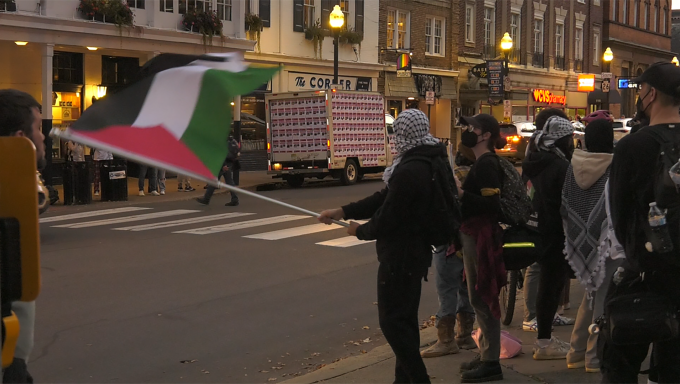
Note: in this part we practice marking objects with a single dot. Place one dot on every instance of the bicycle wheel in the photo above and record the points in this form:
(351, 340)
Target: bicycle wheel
(508, 296)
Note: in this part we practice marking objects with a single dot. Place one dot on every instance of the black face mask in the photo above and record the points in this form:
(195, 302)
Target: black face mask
(641, 110)
(469, 139)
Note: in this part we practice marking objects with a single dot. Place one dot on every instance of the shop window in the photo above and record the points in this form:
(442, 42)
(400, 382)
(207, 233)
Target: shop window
(193, 5)
(395, 107)
(119, 70)
(139, 4)
(167, 6)
(67, 68)
(224, 10)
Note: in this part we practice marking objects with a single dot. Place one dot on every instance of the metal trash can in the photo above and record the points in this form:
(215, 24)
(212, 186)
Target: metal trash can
(113, 175)
(77, 183)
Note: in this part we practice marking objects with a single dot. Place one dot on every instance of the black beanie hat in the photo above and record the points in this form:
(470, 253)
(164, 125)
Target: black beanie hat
(600, 136)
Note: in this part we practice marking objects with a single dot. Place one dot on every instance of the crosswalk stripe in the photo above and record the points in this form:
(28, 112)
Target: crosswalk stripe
(127, 219)
(83, 215)
(243, 224)
(174, 223)
(292, 232)
(344, 242)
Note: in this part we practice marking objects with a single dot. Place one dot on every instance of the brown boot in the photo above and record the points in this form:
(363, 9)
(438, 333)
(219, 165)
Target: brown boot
(445, 344)
(464, 331)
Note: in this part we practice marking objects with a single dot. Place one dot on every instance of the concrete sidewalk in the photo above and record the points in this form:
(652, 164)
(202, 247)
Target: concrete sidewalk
(377, 366)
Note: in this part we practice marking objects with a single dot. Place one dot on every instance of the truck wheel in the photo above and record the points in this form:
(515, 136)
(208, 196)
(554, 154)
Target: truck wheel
(295, 181)
(350, 174)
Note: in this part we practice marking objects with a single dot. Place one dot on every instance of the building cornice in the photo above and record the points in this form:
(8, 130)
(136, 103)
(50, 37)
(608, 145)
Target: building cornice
(273, 58)
(641, 47)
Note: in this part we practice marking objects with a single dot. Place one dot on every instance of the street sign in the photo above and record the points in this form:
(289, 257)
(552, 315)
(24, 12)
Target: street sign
(607, 75)
(605, 85)
(429, 97)
(495, 71)
(507, 109)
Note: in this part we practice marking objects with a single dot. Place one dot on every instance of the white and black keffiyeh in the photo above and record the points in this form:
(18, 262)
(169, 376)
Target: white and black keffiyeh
(555, 129)
(411, 129)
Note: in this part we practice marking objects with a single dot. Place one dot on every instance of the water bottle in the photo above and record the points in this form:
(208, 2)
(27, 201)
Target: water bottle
(674, 173)
(661, 241)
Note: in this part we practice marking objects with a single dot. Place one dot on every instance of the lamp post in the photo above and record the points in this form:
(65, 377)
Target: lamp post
(506, 46)
(608, 57)
(337, 20)
(675, 61)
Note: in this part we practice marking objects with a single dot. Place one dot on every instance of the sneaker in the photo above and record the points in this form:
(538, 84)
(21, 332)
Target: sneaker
(155, 193)
(555, 350)
(162, 192)
(592, 370)
(202, 201)
(231, 204)
(577, 365)
(530, 326)
(141, 193)
(96, 193)
(486, 371)
(189, 189)
(474, 364)
(180, 189)
(561, 320)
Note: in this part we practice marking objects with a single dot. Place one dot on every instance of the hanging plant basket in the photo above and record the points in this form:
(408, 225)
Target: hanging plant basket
(316, 35)
(205, 23)
(109, 11)
(350, 36)
(254, 27)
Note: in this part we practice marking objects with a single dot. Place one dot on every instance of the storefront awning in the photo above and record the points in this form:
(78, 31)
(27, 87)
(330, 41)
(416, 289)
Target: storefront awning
(399, 86)
(449, 88)
(599, 97)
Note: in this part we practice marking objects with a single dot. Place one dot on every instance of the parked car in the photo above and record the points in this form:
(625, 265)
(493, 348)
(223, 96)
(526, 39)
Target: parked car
(579, 134)
(622, 128)
(517, 136)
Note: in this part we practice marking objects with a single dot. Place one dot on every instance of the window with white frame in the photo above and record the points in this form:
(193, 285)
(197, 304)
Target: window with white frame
(397, 29)
(646, 15)
(636, 12)
(516, 29)
(224, 10)
(625, 12)
(309, 14)
(193, 5)
(559, 40)
(489, 25)
(596, 48)
(166, 6)
(538, 36)
(434, 36)
(469, 23)
(655, 26)
(614, 10)
(578, 41)
(344, 6)
(139, 4)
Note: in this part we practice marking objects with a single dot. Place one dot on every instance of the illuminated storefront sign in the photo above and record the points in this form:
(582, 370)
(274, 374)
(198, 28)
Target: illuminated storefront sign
(547, 97)
(586, 83)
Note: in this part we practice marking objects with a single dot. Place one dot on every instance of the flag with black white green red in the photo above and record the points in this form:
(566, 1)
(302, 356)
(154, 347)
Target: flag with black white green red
(177, 116)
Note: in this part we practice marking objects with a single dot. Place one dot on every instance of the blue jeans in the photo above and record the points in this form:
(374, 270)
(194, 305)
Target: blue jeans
(152, 177)
(452, 293)
(228, 179)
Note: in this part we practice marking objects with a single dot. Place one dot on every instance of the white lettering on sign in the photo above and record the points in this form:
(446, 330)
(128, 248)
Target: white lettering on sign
(313, 82)
(586, 82)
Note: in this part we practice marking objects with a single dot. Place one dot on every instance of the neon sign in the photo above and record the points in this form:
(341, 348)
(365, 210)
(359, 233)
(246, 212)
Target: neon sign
(545, 96)
(586, 83)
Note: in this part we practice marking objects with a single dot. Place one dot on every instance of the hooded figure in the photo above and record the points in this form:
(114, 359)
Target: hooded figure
(399, 214)
(584, 215)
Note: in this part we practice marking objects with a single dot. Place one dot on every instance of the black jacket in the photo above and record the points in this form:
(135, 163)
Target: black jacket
(486, 173)
(398, 213)
(547, 171)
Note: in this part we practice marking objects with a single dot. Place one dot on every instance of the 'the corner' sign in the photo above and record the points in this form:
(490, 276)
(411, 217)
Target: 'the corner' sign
(545, 96)
(313, 82)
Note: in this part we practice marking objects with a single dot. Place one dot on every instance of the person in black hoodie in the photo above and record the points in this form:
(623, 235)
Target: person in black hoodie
(398, 218)
(547, 168)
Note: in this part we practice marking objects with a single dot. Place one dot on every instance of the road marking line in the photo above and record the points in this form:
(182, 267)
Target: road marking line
(243, 224)
(82, 215)
(127, 219)
(296, 231)
(175, 223)
(344, 242)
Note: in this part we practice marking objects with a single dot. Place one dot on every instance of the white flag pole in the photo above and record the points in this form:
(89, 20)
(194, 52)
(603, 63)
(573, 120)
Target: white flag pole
(56, 132)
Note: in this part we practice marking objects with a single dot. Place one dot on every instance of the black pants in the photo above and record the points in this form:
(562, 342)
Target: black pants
(621, 363)
(554, 271)
(17, 372)
(398, 301)
(228, 179)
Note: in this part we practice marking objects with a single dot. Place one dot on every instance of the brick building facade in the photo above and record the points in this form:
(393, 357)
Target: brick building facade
(427, 30)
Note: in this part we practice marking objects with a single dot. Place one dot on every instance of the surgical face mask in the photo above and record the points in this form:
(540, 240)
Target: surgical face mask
(469, 138)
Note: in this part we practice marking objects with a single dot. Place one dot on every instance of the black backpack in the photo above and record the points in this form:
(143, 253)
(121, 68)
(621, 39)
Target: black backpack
(666, 194)
(515, 203)
(444, 210)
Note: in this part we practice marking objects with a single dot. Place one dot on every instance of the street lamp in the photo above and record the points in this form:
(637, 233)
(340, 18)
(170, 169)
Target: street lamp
(506, 46)
(675, 61)
(608, 57)
(337, 20)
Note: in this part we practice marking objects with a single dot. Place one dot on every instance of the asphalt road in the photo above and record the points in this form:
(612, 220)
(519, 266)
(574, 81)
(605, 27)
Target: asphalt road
(147, 304)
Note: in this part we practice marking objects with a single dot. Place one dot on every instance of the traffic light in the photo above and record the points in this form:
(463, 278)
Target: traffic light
(19, 235)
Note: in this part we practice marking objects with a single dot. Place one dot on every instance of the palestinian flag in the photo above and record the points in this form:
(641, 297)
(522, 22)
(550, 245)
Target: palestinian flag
(176, 116)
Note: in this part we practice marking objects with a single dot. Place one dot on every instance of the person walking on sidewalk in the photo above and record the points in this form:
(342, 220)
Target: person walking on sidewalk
(481, 236)
(228, 173)
(454, 302)
(633, 185)
(546, 168)
(152, 179)
(99, 155)
(399, 214)
(584, 215)
(184, 180)
(161, 181)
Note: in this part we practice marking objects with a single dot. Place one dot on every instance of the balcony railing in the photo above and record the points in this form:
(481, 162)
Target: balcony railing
(559, 63)
(539, 60)
(578, 65)
(515, 56)
(489, 52)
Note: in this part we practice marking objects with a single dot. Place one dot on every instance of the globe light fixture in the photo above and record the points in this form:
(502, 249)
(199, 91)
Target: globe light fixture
(506, 42)
(337, 18)
(608, 55)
